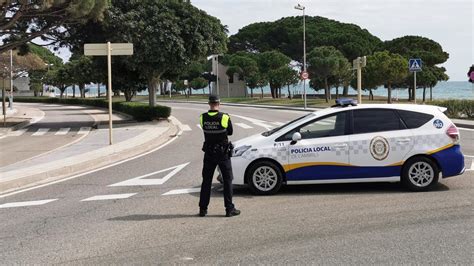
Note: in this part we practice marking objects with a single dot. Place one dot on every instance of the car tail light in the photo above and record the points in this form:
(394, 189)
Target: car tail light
(453, 133)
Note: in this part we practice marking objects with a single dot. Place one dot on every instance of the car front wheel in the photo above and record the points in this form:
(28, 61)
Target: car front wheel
(264, 178)
(420, 174)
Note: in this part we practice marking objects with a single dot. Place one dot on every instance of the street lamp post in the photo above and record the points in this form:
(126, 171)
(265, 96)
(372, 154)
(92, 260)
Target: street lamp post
(11, 80)
(300, 7)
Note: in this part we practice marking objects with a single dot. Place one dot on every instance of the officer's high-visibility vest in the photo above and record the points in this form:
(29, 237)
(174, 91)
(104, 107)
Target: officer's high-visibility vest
(214, 125)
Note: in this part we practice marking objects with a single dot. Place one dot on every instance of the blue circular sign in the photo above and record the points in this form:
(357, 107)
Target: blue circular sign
(438, 123)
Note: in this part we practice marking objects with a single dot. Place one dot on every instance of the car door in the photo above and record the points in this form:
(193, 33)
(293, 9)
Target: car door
(378, 144)
(322, 153)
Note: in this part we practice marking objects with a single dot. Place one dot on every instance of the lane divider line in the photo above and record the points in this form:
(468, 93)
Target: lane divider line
(26, 203)
(110, 197)
(182, 191)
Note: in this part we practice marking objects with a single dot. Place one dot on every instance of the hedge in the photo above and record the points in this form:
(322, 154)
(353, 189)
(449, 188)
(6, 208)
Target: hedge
(457, 108)
(139, 111)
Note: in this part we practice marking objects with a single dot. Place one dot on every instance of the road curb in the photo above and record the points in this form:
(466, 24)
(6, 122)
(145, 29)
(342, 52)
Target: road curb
(48, 172)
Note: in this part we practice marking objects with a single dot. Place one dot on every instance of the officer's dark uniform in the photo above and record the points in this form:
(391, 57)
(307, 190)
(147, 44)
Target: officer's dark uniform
(216, 126)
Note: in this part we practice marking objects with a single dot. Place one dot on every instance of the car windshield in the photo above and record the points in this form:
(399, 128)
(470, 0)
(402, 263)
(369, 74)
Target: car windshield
(270, 132)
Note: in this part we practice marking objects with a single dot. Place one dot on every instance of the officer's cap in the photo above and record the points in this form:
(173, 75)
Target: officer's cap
(214, 99)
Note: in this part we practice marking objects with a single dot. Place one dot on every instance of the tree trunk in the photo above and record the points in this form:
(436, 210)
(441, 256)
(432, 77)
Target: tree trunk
(431, 93)
(289, 92)
(424, 93)
(98, 90)
(61, 89)
(251, 92)
(337, 92)
(389, 97)
(82, 89)
(151, 92)
(128, 95)
(371, 95)
(345, 91)
(74, 91)
(326, 89)
(261, 89)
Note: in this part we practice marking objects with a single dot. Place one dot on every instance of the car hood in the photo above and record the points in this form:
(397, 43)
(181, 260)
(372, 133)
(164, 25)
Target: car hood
(252, 140)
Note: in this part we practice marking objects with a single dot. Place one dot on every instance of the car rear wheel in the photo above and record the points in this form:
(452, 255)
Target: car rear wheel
(420, 174)
(264, 178)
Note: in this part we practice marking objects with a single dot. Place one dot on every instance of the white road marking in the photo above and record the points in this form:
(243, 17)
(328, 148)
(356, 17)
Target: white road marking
(243, 125)
(26, 203)
(110, 197)
(17, 133)
(469, 156)
(63, 131)
(40, 132)
(254, 121)
(467, 129)
(472, 165)
(84, 130)
(182, 191)
(185, 127)
(278, 123)
(139, 181)
(95, 170)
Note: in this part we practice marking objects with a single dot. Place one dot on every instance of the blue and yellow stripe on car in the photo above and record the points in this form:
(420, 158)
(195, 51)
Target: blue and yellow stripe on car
(448, 157)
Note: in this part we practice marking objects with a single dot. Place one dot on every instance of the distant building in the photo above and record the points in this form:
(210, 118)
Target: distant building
(228, 87)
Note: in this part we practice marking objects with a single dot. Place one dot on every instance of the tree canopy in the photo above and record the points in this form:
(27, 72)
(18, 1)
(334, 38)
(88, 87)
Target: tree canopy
(22, 21)
(167, 36)
(286, 35)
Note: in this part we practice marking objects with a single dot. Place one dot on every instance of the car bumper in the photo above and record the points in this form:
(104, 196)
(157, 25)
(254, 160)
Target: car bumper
(239, 165)
(451, 161)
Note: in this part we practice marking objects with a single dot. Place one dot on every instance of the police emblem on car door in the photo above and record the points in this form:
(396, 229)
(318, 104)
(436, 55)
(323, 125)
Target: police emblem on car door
(379, 143)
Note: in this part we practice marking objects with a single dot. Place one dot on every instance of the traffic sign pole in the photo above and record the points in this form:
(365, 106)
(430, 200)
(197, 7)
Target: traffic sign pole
(108, 49)
(109, 73)
(414, 87)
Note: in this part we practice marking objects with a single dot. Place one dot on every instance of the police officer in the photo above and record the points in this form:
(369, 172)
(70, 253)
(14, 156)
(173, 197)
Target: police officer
(217, 148)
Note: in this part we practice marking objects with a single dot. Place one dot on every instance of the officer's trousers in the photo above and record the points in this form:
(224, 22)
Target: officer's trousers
(208, 169)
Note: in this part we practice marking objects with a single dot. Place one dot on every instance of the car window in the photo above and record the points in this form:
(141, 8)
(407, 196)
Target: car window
(328, 126)
(376, 120)
(414, 119)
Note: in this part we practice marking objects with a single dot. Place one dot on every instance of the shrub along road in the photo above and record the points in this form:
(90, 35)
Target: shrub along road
(151, 218)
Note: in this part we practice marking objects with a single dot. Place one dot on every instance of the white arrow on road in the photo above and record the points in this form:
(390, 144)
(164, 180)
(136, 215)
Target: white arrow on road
(139, 181)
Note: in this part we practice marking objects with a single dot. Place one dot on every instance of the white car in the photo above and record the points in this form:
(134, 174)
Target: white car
(349, 143)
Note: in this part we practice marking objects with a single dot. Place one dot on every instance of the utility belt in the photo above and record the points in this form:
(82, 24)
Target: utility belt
(218, 149)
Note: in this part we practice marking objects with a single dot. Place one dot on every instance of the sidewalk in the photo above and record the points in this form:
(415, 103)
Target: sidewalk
(91, 152)
(458, 122)
(20, 116)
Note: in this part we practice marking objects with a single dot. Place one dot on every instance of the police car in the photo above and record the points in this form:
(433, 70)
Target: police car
(348, 143)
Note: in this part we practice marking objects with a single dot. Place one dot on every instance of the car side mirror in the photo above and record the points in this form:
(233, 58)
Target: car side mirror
(295, 138)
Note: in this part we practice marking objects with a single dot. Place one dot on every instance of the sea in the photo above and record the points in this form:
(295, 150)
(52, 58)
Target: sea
(443, 90)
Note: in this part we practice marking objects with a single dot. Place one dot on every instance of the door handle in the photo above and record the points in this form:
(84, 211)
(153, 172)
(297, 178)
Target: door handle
(403, 141)
(340, 146)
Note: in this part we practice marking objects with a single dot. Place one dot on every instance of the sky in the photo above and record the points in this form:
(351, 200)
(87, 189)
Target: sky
(448, 22)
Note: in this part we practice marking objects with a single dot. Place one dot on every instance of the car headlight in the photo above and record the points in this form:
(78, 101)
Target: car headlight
(240, 150)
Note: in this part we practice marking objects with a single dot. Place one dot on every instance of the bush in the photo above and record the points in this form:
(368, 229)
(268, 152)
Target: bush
(139, 111)
(457, 108)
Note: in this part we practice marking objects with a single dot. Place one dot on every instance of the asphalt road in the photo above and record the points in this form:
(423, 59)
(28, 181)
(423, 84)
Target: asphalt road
(330, 224)
(60, 126)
